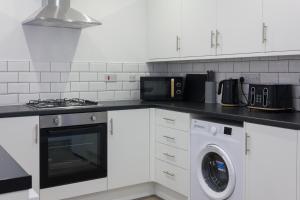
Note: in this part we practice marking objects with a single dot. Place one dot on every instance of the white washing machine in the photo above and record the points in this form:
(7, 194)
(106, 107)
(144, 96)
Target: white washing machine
(217, 161)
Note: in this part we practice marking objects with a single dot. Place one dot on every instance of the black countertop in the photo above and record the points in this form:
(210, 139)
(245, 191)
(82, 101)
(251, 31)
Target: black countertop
(12, 177)
(289, 120)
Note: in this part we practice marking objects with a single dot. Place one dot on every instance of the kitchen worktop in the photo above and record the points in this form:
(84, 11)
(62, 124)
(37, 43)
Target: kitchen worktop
(12, 177)
(289, 120)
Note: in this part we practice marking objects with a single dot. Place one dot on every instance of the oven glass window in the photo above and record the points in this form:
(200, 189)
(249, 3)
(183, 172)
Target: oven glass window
(70, 155)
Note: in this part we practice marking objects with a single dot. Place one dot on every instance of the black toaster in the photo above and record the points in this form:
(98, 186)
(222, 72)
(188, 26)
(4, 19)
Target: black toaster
(270, 97)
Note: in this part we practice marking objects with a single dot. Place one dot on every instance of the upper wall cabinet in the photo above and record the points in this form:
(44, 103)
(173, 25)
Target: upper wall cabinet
(282, 19)
(199, 19)
(239, 27)
(164, 28)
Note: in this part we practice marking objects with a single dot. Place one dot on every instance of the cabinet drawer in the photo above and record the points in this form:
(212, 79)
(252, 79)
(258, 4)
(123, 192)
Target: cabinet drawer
(171, 119)
(172, 177)
(172, 155)
(172, 137)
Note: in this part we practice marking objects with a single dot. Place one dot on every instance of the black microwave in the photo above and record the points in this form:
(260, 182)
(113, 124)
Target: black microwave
(161, 88)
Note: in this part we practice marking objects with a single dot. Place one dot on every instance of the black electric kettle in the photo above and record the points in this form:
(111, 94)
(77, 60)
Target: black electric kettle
(230, 92)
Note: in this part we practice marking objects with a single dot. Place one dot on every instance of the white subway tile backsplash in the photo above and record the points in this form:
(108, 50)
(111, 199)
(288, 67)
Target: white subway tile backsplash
(9, 99)
(269, 78)
(69, 95)
(114, 86)
(69, 76)
(18, 88)
(18, 66)
(40, 66)
(88, 76)
(294, 66)
(25, 98)
(79, 86)
(187, 67)
(50, 96)
(199, 67)
(29, 77)
(60, 87)
(3, 88)
(211, 67)
(145, 67)
(80, 67)
(135, 94)
(50, 77)
(174, 67)
(106, 96)
(114, 67)
(3, 66)
(226, 67)
(97, 86)
(122, 95)
(131, 67)
(60, 67)
(241, 66)
(279, 66)
(93, 96)
(8, 77)
(289, 78)
(97, 67)
(131, 85)
(259, 66)
(39, 87)
(160, 67)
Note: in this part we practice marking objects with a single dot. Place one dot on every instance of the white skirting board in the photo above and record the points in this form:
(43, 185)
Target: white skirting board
(134, 192)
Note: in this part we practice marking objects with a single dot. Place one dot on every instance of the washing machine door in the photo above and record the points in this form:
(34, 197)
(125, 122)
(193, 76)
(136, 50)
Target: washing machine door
(216, 173)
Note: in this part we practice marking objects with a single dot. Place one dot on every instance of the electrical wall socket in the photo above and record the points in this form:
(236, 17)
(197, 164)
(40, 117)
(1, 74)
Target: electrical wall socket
(251, 78)
(132, 78)
(111, 77)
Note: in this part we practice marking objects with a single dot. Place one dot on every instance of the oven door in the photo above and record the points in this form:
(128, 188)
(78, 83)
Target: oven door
(72, 154)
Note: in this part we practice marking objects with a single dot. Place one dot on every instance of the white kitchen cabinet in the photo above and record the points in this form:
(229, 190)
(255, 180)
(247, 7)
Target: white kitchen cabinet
(20, 138)
(164, 28)
(128, 147)
(239, 27)
(199, 18)
(271, 163)
(282, 20)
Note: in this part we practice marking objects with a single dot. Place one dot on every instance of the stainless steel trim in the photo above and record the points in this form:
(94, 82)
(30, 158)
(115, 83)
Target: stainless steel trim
(111, 121)
(177, 43)
(212, 35)
(51, 121)
(264, 33)
(217, 38)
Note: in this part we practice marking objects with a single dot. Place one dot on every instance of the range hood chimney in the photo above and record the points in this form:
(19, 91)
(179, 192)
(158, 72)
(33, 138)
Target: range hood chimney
(58, 13)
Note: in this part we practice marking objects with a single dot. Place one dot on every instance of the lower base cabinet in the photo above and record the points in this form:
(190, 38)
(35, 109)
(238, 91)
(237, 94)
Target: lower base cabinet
(271, 163)
(128, 148)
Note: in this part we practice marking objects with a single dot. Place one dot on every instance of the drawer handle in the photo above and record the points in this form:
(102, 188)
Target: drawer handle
(168, 155)
(168, 173)
(170, 138)
(170, 121)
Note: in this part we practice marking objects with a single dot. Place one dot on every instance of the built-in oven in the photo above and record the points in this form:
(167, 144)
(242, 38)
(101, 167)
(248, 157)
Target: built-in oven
(73, 148)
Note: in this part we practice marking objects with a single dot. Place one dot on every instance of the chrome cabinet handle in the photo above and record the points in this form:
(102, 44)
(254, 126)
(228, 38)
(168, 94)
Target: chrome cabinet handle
(37, 131)
(217, 38)
(167, 137)
(247, 150)
(169, 120)
(169, 173)
(178, 43)
(168, 155)
(111, 121)
(212, 35)
(264, 32)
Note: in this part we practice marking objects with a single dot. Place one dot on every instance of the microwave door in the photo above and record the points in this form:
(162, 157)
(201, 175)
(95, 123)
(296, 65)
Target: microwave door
(156, 90)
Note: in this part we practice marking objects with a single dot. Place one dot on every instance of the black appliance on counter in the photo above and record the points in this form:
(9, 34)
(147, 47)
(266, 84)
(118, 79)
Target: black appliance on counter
(161, 88)
(230, 92)
(194, 89)
(73, 148)
(274, 97)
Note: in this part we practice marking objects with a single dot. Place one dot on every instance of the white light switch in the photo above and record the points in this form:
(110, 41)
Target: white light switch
(132, 78)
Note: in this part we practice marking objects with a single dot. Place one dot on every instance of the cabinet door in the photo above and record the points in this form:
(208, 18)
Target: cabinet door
(239, 25)
(199, 18)
(128, 148)
(164, 28)
(282, 19)
(19, 137)
(271, 163)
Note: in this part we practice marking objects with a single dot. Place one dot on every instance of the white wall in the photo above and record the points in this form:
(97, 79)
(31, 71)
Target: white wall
(121, 38)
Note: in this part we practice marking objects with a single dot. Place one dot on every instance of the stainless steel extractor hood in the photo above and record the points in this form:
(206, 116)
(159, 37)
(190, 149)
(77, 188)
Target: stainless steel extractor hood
(58, 13)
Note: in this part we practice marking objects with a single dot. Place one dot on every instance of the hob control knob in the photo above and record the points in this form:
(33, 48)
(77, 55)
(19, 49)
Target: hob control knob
(213, 130)
(56, 121)
(93, 118)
